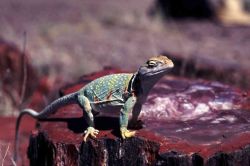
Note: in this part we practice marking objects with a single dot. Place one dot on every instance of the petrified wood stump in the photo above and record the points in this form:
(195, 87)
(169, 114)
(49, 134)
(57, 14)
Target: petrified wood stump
(187, 122)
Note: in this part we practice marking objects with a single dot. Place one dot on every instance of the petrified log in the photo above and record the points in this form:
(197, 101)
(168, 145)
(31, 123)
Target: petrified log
(103, 151)
(187, 122)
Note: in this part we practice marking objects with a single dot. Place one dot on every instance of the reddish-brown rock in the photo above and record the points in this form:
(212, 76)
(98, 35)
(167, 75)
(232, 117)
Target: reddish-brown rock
(37, 91)
(12, 74)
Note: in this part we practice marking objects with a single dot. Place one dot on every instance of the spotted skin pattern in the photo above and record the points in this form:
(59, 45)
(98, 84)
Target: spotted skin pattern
(110, 88)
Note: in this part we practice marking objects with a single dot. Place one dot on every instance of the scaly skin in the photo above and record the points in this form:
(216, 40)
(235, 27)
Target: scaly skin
(128, 91)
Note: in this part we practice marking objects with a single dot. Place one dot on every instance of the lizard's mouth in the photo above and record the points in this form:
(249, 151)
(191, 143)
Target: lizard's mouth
(153, 73)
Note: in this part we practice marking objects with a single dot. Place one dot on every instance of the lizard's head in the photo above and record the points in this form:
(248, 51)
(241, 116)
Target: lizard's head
(156, 66)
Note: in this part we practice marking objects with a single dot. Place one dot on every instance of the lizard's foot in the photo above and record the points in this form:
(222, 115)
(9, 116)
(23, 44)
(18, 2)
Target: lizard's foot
(139, 124)
(125, 133)
(90, 131)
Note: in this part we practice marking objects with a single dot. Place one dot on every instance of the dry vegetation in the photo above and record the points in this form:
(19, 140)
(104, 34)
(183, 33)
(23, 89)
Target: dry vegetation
(5, 155)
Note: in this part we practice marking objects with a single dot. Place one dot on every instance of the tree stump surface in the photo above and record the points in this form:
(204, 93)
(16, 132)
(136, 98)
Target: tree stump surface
(187, 122)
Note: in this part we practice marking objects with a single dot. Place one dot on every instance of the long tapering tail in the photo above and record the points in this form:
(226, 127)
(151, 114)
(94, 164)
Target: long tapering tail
(23, 112)
(50, 109)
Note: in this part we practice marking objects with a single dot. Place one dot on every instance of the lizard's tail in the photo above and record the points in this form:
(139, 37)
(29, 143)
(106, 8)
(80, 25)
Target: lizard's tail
(50, 109)
(23, 112)
(60, 102)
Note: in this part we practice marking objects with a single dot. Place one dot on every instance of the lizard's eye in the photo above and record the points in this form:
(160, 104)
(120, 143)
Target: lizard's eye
(151, 63)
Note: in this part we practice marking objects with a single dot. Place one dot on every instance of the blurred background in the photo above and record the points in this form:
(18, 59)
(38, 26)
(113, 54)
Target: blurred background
(72, 38)
(63, 40)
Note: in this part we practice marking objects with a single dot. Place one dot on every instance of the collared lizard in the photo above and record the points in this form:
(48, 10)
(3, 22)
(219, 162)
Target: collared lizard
(126, 90)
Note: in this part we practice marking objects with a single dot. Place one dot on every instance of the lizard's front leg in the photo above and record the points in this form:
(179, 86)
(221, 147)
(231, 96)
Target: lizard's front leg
(134, 122)
(85, 104)
(124, 114)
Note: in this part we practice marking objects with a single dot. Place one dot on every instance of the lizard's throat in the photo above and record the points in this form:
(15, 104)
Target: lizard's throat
(145, 85)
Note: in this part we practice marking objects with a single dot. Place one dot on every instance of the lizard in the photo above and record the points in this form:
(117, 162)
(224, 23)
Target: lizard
(127, 91)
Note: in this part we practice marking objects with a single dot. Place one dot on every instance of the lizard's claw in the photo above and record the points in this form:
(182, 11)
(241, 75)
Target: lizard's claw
(90, 131)
(125, 133)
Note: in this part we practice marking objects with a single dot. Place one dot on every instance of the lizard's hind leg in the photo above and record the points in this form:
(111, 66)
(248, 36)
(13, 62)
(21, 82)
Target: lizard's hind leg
(87, 110)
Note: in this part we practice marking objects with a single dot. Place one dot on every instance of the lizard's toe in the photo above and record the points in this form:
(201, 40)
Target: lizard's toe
(94, 133)
(126, 133)
(90, 131)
